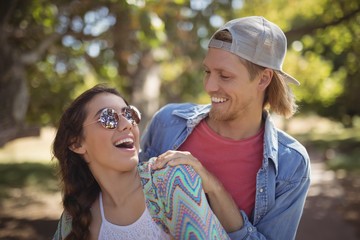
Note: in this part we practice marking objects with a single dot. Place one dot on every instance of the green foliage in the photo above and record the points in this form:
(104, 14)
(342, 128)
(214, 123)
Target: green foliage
(117, 41)
(346, 161)
(326, 57)
(316, 76)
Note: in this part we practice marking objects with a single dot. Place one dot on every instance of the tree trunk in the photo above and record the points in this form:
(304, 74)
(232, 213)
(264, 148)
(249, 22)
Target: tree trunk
(14, 97)
(144, 80)
(146, 88)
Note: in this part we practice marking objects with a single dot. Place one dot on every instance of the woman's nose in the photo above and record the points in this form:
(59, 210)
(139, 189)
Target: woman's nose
(124, 123)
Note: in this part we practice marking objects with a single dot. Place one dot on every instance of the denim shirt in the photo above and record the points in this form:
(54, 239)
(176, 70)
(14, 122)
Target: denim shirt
(282, 182)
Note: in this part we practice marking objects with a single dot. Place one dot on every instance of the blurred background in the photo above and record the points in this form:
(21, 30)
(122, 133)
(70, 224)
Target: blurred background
(152, 51)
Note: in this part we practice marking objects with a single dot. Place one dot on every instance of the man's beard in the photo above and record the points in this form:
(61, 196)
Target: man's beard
(219, 115)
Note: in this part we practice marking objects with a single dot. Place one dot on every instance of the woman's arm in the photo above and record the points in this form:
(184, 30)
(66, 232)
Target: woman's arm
(64, 227)
(177, 202)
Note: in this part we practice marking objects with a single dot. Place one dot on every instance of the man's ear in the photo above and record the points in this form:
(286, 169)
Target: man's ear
(265, 78)
(77, 148)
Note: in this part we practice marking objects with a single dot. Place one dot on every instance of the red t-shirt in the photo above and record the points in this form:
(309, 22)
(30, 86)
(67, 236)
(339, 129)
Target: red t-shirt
(234, 163)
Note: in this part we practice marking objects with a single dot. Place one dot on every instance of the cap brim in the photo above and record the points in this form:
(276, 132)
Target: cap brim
(289, 78)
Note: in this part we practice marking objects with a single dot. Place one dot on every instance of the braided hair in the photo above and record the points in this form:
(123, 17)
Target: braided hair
(79, 187)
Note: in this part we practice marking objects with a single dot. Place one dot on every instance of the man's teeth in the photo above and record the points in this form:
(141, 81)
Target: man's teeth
(125, 140)
(218, 99)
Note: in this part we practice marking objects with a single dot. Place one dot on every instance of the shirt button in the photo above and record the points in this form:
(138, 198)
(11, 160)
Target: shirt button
(250, 229)
(261, 190)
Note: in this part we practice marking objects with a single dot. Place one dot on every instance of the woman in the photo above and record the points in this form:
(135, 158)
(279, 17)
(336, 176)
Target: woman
(106, 194)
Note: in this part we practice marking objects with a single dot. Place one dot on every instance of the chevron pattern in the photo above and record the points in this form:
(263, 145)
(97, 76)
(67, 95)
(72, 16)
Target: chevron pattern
(177, 202)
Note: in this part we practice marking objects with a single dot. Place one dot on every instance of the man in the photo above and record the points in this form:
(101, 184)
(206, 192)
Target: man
(266, 171)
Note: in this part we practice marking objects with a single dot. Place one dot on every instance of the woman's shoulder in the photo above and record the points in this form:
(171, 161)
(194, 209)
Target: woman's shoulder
(64, 226)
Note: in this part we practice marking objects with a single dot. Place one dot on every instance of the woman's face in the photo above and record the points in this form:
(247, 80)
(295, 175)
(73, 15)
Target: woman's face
(109, 149)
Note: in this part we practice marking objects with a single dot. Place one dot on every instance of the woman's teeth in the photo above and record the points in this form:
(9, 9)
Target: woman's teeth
(125, 143)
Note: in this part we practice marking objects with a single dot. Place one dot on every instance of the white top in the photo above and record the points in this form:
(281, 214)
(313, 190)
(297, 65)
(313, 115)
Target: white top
(143, 228)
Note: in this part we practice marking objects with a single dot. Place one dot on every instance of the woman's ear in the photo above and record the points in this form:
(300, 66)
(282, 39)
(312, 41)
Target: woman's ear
(265, 78)
(77, 148)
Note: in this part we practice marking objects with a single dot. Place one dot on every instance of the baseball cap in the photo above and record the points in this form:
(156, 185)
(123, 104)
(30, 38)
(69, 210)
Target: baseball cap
(257, 40)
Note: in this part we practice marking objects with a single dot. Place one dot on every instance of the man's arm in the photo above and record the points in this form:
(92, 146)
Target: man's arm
(220, 200)
(279, 222)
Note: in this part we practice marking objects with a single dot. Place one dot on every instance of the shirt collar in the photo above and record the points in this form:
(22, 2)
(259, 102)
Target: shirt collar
(196, 113)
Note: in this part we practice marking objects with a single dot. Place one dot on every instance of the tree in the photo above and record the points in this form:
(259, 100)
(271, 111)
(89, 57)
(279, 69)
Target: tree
(51, 50)
(153, 50)
(14, 94)
(330, 43)
(323, 50)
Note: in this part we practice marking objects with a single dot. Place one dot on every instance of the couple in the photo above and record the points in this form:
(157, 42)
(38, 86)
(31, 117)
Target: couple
(217, 191)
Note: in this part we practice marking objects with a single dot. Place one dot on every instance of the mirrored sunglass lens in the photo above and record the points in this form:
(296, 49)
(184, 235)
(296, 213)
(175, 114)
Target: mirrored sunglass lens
(109, 118)
(136, 115)
(131, 114)
(127, 113)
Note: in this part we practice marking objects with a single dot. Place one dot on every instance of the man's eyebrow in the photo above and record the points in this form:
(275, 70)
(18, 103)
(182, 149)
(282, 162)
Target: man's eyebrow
(217, 69)
(204, 65)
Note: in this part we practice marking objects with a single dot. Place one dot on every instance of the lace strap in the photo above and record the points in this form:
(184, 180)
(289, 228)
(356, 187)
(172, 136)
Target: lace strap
(101, 208)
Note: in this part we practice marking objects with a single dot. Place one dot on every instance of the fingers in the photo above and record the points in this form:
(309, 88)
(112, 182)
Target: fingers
(174, 158)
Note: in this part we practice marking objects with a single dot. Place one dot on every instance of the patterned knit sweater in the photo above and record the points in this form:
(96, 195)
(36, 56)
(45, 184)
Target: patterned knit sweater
(176, 202)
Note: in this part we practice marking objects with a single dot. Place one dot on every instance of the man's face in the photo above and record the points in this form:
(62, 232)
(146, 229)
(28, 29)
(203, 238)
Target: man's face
(233, 94)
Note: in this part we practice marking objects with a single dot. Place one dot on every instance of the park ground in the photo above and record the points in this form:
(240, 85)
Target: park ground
(30, 202)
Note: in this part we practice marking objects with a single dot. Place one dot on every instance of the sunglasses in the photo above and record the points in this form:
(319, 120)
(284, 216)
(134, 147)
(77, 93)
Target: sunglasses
(110, 119)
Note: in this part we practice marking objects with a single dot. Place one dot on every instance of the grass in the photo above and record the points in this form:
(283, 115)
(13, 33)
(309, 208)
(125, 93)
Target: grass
(25, 163)
(340, 146)
(349, 162)
(33, 175)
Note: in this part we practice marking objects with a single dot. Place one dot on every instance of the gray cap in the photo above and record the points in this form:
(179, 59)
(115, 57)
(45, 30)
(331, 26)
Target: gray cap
(258, 41)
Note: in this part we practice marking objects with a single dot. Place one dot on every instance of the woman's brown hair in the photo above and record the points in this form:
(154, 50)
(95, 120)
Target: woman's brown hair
(79, 187)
